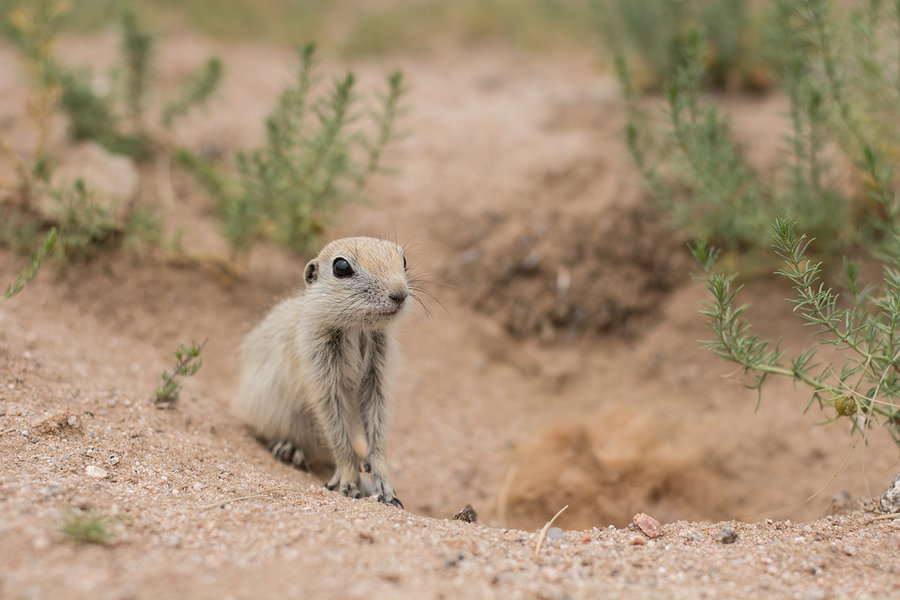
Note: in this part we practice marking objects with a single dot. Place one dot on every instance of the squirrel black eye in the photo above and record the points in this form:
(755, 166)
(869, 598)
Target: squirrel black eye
(404, 263)
(341, 268)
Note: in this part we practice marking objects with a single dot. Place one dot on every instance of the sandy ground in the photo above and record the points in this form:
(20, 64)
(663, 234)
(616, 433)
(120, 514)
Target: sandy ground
(510, 399)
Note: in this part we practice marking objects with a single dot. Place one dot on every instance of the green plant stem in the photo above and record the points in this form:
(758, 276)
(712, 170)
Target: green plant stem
(36, 261)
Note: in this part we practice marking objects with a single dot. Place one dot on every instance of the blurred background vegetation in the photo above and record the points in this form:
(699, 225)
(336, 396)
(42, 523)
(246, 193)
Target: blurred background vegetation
(835, 65)
(353, 27)
(835, 62)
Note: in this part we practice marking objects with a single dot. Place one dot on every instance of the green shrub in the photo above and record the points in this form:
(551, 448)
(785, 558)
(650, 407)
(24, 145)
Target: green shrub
(697, 171)
(865, 387)
(88, 527)
(117, 120)
(33, 27)
(36, 260)
(187, 363)
(655, 35)
(841, 75)
(316, 158)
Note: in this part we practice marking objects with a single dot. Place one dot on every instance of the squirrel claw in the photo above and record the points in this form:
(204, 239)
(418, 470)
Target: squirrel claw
(395, 501)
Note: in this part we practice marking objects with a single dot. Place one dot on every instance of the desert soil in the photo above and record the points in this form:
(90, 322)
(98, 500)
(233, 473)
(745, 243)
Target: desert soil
(558, 364)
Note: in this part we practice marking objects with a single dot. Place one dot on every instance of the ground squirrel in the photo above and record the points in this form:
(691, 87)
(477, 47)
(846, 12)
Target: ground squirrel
(315, 373)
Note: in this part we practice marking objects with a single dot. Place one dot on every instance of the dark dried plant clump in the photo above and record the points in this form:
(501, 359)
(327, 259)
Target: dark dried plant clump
(554, 281)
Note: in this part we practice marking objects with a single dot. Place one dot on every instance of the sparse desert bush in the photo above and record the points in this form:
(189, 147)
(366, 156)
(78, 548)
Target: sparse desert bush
(73, 219)
(865, 387)
(841, 75)
(116, 120)
(187, 363)
(414, 24)
(697, 170)
(316, 158)
(655, 35)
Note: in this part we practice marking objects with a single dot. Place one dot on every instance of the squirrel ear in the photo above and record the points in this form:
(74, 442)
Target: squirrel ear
(312, 272)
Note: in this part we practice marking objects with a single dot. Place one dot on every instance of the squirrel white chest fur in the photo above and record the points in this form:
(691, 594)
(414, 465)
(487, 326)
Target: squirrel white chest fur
(316, 372)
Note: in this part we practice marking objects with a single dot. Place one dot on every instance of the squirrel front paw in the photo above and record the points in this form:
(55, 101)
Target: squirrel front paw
(345, 485)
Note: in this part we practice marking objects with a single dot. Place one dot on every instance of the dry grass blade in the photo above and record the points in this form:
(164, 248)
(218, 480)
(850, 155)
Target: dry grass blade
(503, 496)
(886, 517)
(543, 534)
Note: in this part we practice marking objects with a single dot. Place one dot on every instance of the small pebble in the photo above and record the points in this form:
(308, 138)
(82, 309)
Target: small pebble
(841, 502)
(726, 535)
(95, 472)
(890, 501)
(586, 539)
(637, 540)
(647, 524)
(466, 514)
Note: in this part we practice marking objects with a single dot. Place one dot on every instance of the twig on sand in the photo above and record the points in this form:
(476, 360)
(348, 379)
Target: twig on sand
(543, 533)
(222, 503)
(895, 515)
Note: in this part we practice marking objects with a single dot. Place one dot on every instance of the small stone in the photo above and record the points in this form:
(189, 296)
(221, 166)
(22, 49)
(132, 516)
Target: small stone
(637, 540)
(467, 514)
(95, 472)
(585, 539)
(890, 501)
(840, 502)
(647, 524)
(726, 535)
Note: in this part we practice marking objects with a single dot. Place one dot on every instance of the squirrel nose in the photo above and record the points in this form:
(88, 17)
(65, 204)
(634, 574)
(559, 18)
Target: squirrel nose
(398, 296)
